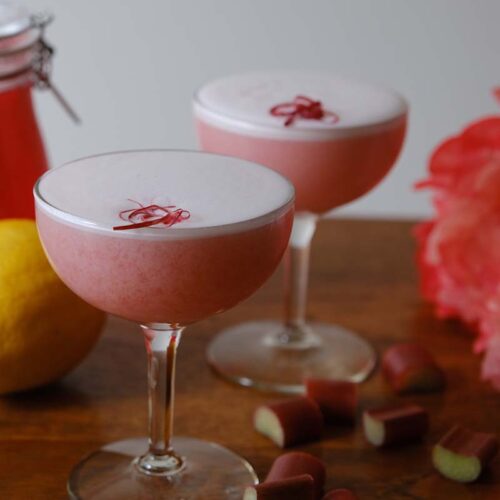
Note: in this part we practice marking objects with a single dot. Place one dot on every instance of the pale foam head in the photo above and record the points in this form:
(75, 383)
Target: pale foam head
(242, 103)
(216, 190)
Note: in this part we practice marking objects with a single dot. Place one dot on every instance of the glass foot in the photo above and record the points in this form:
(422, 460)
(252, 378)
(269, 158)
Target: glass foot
(211, 472)
(254, 355)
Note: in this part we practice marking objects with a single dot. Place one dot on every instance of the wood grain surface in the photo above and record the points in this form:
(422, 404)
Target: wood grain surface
(363, 278)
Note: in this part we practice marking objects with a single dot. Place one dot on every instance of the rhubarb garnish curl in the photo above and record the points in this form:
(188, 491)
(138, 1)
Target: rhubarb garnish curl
(151, 215)
(305, 108)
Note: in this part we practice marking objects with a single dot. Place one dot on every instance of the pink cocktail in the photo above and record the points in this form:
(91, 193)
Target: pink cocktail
(181, 279)
(163, 238)
(335, 139)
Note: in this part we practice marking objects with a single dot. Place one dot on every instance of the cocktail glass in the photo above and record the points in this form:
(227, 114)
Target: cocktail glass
(111, 228)
(335, 139)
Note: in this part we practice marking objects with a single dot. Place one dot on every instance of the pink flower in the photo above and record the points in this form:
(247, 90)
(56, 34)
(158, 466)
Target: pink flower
(459, 251)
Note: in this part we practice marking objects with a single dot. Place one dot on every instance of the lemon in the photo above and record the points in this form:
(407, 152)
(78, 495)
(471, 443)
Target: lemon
(45, 329)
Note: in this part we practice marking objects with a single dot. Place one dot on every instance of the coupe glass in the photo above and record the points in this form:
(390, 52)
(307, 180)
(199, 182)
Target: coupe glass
(132, 259)
(335, 139)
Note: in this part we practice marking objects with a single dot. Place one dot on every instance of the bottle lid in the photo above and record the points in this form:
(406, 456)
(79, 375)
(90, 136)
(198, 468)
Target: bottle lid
(21, 47)
(25, 56)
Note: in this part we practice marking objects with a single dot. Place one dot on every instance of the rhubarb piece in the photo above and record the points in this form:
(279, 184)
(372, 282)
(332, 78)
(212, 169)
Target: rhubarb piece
(395, 425)
(290, 422)
(340, 494)
(462, 454)
(337, 399)
(298, 463)
(410, 368)
(291, 488)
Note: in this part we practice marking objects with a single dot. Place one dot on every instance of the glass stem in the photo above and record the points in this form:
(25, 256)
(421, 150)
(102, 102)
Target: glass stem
(161, 347)
(296, 278)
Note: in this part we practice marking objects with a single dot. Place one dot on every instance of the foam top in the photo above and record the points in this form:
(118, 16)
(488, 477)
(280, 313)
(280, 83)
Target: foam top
(242, 103)
(216, 190)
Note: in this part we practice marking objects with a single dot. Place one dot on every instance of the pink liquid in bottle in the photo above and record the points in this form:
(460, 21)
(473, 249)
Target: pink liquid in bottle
(22, 153)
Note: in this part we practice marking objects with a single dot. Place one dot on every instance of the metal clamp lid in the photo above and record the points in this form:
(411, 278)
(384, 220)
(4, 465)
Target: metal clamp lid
(24, 52)
(42, 65)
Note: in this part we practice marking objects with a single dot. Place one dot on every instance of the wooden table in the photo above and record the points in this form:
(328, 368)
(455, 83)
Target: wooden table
(363, 278)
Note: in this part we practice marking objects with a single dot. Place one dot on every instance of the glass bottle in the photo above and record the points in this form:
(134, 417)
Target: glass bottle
(24, 65)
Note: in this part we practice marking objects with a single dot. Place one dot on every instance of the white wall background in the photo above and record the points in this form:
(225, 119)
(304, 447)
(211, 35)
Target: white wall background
(130, 66)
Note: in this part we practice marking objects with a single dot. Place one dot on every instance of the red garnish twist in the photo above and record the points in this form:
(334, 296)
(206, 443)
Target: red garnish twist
(303, 107)
(151, 215)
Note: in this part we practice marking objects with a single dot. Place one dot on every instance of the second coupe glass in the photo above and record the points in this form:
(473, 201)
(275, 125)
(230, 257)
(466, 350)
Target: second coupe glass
(335, 139)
